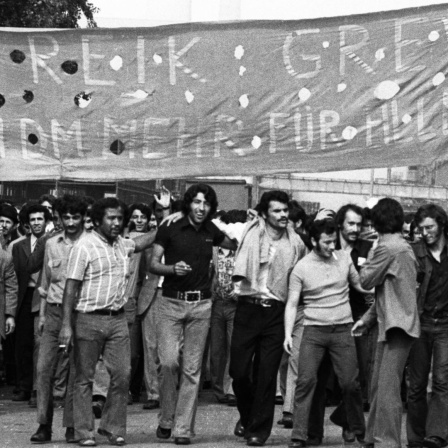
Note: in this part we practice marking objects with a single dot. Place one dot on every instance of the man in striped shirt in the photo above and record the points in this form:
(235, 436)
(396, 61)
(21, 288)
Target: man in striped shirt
(97, 274)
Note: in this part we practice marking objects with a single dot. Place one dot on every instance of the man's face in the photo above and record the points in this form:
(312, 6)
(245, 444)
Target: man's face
(57, 221)
(37, 224)
(48, 206)
(277, 215)
(199, 209)
(431, 231)
(140, 220)
(6, 225)
(158, 213)
(88, 224)
(351, 227)
(326, 244)
(112, 224)
(72, 223)
(406, 230)
(152, 223)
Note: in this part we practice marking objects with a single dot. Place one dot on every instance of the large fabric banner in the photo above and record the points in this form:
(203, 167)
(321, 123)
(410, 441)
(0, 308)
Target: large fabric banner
(243, 98)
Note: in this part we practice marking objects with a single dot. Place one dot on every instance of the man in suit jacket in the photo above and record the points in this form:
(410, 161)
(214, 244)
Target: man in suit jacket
(8, 294)
(28, 301)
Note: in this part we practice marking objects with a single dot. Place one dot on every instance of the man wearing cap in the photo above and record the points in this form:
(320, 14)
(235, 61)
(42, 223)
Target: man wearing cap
(8, 222)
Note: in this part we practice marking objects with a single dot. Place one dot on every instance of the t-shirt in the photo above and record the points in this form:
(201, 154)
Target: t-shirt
(324, 283)
(182, 242)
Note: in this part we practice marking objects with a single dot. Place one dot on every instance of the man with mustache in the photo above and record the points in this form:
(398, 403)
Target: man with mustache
(268, 251)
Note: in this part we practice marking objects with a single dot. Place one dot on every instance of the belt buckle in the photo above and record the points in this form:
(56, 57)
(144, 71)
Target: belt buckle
(265, 303)
(192, 296)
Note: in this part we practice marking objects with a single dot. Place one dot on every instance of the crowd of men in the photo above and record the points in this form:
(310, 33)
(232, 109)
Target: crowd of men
(100, 302)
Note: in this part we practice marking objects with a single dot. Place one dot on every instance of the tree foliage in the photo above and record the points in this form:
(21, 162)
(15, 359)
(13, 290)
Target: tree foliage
(46, 13)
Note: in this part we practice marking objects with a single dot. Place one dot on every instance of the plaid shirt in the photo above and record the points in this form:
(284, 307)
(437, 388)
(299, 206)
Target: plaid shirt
(103, 269)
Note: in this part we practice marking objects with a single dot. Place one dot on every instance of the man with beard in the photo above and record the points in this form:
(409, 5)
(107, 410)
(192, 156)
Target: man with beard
(322, 280)
(427, 419)
(184, 309)
(268, 251)
(38, 217)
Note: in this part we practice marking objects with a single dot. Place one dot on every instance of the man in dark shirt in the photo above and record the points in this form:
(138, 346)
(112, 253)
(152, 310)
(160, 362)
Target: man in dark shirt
(427, 420)
(185, 307)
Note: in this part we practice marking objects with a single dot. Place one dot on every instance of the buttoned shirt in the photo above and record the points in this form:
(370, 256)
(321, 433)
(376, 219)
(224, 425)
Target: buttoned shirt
(54, 275)
(103, 269)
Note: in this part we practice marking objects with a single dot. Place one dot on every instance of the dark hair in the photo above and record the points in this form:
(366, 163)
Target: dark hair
(340, 214)
(233, 216)
(89, 200)
(388, 216)
(37, 208)
(144, 208)
(48, 198)
(70, 204)
(208, 193)
(317, 228)
(296, 212)
(268, 196)
(366, 214)
(435, 212)
(177, 205)
(99, 210)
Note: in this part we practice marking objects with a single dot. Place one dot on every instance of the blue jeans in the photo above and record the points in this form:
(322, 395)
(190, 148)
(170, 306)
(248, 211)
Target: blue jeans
(182, 327)
(428, 418)
(109, 336)
(338, 342)
(49, 355)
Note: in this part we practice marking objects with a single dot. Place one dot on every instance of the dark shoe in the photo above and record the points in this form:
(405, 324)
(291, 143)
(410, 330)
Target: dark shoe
(415, 444)
(348, 436)
(70, 435)
(182, 440)
(231, 400)
(112, 438)
(366, 407)
(296, 443)
(286, 420)
(367, 445)
(433, 442)
(33, 400)
(151, 404)
(239, 429)
(97, 408)
(42, 435)
(255, 441)
(163, 433)
(279, 399)
(314, 441)
(21, 396)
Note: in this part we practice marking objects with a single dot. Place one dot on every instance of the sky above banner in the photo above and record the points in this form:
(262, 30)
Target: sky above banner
(239, 98)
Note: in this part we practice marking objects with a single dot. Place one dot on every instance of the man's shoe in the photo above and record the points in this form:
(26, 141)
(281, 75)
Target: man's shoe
(348, 436)
(255, 441)
(151, 404)
(314, 441)
(367, 445)
(182, 440)
(415, 444)
(231, 400)
(163, 433)
(279, 399)
(296, 443)
(21, 396)
(87, 442)
(113, 439)
(70, 435)
(42, 435)
(433, 442)
(97, 408)
(286, 420)
(239, 429)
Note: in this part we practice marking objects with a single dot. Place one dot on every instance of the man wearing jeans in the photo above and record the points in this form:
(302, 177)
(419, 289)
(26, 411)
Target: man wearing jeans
(322, 279)
(427, 419)
(98, 270)
(184, 309)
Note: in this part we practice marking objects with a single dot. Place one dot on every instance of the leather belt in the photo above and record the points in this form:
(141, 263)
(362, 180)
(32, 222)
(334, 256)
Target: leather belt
(106, 312)
(188, 296)
(266, 303)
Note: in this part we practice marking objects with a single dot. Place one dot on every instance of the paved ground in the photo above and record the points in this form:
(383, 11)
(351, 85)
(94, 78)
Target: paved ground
(214, 426)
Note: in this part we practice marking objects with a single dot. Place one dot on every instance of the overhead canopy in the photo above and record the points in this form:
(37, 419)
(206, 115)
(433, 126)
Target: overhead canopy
(239, 98)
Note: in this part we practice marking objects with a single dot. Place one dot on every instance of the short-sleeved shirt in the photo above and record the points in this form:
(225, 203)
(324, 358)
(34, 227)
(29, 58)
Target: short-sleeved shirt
(103, 269)
(54, 270)
(182, 242)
